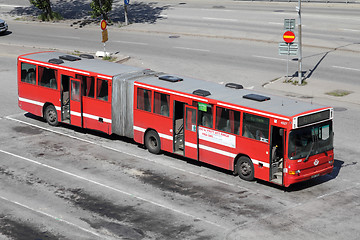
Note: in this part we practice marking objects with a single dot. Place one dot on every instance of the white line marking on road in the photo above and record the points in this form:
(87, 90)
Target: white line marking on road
(271, 58)
(346, 68)
(275, 23)
(51, 216)
(113, 189)
(221, 19)
(193, 49)
(119, 151)
(66, 37)
(351, 30)
(135, 43)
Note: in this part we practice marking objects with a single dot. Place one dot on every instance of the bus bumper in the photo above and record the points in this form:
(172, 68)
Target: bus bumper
(291, 179)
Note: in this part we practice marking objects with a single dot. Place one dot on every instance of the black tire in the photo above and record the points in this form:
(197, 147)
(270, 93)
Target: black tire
(245, 168)
(152, 142)
(51, 115)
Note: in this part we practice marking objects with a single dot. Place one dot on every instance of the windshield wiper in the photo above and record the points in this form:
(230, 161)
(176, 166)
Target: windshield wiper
(311, 148)
(315, 138)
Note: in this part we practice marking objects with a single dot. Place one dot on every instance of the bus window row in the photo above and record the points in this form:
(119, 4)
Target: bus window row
(88, 87)
(47, 77)
(227, 120)
(161, 102)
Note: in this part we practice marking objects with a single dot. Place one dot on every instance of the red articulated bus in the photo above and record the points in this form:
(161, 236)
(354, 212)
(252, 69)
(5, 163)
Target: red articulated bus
(272, 138)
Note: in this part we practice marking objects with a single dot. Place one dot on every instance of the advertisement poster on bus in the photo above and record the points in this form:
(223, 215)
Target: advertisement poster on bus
(217, 137)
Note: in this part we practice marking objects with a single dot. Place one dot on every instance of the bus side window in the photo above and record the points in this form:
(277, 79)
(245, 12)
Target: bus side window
(88, 85)
(144, 99)
(256, 127)
(206, 116)
(28, 73)
(227, 120)
(47, 77)
(102, 90)
(161, 104)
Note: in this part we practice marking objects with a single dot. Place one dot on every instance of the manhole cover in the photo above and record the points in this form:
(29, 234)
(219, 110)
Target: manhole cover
(174, 36)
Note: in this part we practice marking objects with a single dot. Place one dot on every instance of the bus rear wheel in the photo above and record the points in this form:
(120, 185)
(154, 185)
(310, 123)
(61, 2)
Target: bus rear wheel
(51, 115)
(152, 142)
(245, 168)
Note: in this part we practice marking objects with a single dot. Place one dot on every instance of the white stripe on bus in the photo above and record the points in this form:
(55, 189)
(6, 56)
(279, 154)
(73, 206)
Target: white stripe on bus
(192, 145)
(106, 77)
(218, 151)
(71, 112)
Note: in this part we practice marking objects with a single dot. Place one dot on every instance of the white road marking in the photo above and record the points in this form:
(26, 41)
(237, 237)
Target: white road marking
(276, 23)
(53, 217)
(193, 49)
(271, 58)
(135, 43)
(114, 189)
(127, 153)
(351, 30)
(346, 68)
(221, 19)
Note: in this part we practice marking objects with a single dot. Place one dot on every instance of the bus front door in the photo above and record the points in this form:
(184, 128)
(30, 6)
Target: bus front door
(191, 133)
(76, 102)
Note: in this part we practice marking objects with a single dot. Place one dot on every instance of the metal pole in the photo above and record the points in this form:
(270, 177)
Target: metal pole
(287, 62)
(300, 45)
(126, 15)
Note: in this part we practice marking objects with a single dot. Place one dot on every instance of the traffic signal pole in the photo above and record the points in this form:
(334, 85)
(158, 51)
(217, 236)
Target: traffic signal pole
(300, 44)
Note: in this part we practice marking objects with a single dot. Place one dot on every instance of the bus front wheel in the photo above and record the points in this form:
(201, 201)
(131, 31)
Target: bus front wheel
(51, 115)
(152, 142)
(245, 168)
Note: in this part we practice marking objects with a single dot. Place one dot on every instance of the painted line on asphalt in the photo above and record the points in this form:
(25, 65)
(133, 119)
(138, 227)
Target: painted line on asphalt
(193, 49)
(271, 58)
(346, 68)
(221, 19)
(113, 189)
(53, 217)
(351, 30)
(135, 43)
(123, 152)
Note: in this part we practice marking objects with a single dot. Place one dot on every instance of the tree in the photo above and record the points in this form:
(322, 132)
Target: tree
(101, 8)
(45, 6)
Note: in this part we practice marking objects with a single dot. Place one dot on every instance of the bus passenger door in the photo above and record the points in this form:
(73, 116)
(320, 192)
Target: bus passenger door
(277, 149)
(191, 133)
(76, 102)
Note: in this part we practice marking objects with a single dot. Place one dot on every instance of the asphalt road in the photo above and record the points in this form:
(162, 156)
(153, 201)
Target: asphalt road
(68, 183)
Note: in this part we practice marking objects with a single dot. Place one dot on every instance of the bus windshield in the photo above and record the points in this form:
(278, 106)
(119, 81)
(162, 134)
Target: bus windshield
(311, 140)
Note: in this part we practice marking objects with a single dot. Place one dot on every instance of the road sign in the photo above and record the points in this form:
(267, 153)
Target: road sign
(289, 36)
(105, 36)
(103, 24)
(126, 2)
(289, 24)
(288, 48)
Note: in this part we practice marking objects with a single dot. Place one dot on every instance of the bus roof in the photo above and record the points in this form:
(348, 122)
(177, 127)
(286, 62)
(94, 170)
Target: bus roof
(84, 64)
(275, 105)
(235, 97)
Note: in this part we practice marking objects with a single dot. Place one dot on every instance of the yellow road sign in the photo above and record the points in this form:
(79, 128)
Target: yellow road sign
(105, 36)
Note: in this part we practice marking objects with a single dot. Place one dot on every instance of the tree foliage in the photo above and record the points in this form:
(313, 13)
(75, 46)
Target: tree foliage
(101, 8)
(45, 7)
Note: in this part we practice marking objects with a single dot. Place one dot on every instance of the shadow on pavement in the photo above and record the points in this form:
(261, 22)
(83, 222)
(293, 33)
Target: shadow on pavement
(138, 12)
